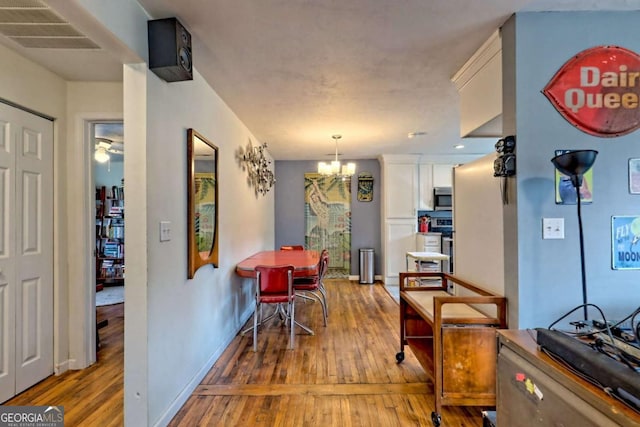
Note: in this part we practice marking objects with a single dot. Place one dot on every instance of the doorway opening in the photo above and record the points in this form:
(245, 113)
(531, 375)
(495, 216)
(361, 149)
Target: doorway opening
(108, 179)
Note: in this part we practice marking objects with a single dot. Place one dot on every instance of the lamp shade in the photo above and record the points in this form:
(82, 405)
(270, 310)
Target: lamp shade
(335, 167)
(575, 163)
(101, 155)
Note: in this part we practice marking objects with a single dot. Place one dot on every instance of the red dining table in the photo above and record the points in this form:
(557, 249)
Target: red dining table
(305, 262)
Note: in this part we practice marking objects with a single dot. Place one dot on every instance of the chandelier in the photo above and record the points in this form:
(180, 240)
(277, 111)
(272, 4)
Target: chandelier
(335, 167)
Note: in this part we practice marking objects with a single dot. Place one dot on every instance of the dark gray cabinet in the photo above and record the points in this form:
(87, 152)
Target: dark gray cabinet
(534, 390)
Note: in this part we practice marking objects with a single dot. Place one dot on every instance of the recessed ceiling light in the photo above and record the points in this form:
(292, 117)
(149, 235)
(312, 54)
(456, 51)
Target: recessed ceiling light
(458, 146)
(414, 134)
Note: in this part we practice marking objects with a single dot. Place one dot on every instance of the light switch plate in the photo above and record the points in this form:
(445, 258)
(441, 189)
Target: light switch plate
(553, 228)
(165, 231)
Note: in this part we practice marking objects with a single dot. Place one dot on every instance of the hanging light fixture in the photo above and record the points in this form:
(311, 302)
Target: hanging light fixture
(335, 167)
(101, 155)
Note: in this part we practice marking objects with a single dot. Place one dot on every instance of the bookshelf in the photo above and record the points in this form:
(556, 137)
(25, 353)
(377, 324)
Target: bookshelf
(109, 236)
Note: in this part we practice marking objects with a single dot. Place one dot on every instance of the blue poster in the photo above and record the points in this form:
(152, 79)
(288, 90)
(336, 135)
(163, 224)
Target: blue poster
(625, 242)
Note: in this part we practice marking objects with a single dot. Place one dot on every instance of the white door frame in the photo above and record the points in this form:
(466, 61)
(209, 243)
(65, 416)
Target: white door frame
(82, 305)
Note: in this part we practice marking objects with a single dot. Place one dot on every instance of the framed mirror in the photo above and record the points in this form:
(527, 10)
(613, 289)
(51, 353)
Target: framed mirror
(202, 201)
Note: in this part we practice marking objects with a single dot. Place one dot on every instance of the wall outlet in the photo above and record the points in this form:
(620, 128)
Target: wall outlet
(553, 228)
(165, 231)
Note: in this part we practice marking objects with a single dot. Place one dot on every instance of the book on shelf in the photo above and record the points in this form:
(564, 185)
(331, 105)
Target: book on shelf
(116, 210)
(113, 249)
(110, 232)
(117, 192)
(101, 193)
(110, 270)
(116, 231)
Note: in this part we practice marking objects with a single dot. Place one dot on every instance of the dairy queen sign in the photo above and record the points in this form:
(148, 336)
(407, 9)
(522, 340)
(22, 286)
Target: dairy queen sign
(598, 91)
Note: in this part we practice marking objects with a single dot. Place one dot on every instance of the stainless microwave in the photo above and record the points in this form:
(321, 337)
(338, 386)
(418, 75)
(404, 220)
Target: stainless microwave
(442, 199)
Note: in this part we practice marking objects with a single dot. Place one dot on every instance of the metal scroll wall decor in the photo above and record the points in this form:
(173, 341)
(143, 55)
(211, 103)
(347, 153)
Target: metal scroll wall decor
(253, 160)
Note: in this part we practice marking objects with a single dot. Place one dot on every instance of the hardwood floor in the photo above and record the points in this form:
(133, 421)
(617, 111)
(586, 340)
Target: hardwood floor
(92, 396)
(344, 375)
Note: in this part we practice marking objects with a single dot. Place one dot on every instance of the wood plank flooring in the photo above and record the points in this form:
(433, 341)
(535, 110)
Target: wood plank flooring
(344, 375)
(92, 396)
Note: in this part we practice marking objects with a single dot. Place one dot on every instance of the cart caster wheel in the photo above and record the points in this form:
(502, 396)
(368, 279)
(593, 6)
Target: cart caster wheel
(436, 419)
(400, 356)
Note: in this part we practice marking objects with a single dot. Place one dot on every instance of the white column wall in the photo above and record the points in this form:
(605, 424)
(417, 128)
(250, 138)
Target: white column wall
(29, 85)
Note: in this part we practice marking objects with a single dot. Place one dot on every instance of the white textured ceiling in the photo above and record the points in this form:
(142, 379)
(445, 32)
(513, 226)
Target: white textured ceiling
(298, 71)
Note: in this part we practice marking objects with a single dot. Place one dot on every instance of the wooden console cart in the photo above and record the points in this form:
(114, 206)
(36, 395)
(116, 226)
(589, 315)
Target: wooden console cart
(452, 336)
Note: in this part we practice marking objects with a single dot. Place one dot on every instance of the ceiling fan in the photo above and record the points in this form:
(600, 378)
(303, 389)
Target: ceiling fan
(104, 147)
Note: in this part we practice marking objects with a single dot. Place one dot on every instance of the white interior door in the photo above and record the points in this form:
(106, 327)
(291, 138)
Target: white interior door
(26, 250)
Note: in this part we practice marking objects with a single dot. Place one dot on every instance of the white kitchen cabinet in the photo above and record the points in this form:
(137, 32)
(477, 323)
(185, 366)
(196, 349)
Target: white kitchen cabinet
(407, 186)
(399, 212)
(400, 189)
(442, 175)
(399, 239)
(432, 175)
(425, 174)
(479, 84)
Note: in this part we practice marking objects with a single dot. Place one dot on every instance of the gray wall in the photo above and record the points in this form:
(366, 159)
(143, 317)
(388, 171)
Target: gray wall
(547, 281)
(289, 209)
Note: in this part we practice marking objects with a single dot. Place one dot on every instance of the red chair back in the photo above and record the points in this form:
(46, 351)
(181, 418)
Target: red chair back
(324, 263)
(275, 280)
(292, 248)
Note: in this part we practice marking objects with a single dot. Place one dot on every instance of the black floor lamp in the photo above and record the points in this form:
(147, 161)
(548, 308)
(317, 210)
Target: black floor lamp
(575, 164)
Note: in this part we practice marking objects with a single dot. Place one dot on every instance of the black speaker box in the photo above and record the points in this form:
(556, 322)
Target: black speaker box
(170, 50)
(612, 374)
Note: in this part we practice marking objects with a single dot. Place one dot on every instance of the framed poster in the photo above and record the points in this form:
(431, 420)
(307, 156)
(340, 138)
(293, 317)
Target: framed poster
(365, 187)
(566, 192)
(634, 176)
(625, 242)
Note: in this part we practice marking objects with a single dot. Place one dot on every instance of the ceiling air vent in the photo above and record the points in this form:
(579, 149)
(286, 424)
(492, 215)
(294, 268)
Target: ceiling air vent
(31, 24)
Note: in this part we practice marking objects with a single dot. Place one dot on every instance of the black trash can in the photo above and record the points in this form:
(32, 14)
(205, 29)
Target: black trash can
(366, 266)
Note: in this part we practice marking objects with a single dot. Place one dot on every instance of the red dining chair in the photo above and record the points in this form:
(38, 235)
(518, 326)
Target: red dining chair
(324, 254)
(312, 287)
(274, 285)
(292, 248)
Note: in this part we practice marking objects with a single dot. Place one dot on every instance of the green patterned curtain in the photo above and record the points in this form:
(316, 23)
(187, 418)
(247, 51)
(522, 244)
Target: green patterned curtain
(328, 219)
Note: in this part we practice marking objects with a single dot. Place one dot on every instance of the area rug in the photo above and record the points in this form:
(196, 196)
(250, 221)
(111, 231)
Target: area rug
(110, 295)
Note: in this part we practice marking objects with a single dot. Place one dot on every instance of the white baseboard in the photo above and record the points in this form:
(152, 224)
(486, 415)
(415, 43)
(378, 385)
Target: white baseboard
(61, 367)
